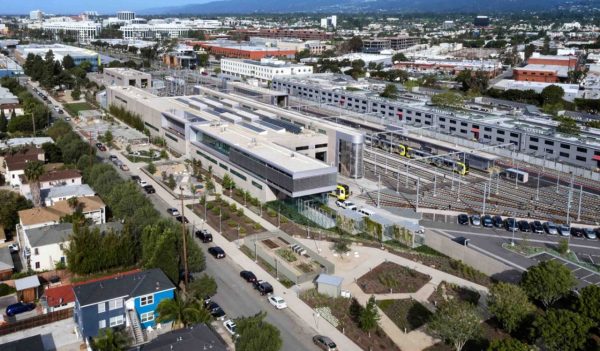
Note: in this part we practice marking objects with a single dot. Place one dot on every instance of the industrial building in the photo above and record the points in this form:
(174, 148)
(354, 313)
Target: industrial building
(533, 134)
(79, 55)
(233, 49)
(304, 34)
(127, 77)
(8, 67)
(451, 67)
(264, 70)
(271, 152)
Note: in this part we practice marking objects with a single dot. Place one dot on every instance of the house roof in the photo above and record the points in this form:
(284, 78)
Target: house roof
(54, 234)
(6, 261)
(329, 280)
(196, 337)
(19, 160)
(60, 209)
(27, 283)
(130, 285)
(55, 175)
(59, 295)
(32, 343)
(68, 191)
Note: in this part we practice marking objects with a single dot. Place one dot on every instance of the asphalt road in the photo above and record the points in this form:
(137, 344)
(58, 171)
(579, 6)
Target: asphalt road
(234, 295)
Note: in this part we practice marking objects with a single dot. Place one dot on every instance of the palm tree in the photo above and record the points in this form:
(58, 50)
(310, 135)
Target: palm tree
(33, 172)
(182, 311)
(110, 340)
(73, 203)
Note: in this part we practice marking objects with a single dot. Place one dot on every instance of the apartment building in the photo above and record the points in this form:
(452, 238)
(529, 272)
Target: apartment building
(264, 70)
(82, 31)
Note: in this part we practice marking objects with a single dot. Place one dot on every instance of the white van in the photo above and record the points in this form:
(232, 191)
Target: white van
(366, 212)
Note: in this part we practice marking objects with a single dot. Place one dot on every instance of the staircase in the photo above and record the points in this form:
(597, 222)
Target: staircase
(136, 328)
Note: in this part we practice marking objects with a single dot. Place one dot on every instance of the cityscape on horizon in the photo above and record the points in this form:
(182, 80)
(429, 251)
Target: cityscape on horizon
(247, 175)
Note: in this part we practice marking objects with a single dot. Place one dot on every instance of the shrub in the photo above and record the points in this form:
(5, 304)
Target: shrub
(6, 289)
(233, 207)
(240, 212)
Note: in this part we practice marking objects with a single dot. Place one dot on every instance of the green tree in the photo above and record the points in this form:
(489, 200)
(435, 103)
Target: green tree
(510, 304)
(68, 62)
(456, 322)
(563, 246)
(110, 340)
(529, 50)
(182, 312)
(108, 137)
(159, 249)
(255, 334)
(33, 172)
(562, 330)
(209, 184)
(341, 246)
(552, 94)
(52, 152)
(368, 318)
(548, 282)
(399, 57)
(588, 303)
(448, 99)
(171, 183)
(151, 168)
(203, 286)
(12, 203)
(390, 91)
(3, 122)
(508, 344)
(76, 93)
(567, 125)
(228, 182)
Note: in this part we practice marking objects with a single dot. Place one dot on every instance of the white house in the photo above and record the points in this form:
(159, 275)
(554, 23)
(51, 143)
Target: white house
(46, 245)
(92, 207)
(65, 192)
(52, 179)
(15, 163)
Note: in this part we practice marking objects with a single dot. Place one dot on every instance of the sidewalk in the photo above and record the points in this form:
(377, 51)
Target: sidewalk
(295, 304)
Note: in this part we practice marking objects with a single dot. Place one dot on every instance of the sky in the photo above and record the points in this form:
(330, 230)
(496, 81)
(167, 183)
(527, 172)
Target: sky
(78, 6)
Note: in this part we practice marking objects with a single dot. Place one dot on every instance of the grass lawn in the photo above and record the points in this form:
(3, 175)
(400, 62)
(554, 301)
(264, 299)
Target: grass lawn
(73, 109)
(406, 314)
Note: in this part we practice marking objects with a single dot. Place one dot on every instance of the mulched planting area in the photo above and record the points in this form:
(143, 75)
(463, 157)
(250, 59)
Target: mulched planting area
(390, 277)
(230, 220)
(407, 314)
(446, 291)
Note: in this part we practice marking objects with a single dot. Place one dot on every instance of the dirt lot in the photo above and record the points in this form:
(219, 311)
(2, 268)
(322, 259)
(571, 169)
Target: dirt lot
(391, 277)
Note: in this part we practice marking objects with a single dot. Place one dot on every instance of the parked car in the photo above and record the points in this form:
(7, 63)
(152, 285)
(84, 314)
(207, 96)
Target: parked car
(476, 219)
(550, 228)
(577, 232)
(182, 219)
(366, 212)
(204, 235)
(524, 226)
(173, 211)
(510, 224)
(56, 108)
(13, 248)
(216, 251)
(124, 167)
(487, 221)
(537, 227)
(278, 302)
(564, 230)
(215, 310)
(498, 221)
(143, 183)
(346, 205)
(324, 343)
(60, 112)
(112, 158)
(136, 179)
(149, 189)
(248, 276)
(19, 307)
(264, 288)
(230, 327)
(590, 233)
(463, 219)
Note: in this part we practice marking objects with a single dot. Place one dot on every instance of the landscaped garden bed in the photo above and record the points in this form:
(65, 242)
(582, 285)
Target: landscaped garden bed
(407, 314)
(446, 291)
(341, 312)
(231, 218)
(390, 277)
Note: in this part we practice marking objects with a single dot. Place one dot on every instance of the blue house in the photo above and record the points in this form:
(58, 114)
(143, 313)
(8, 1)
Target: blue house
(125, 300)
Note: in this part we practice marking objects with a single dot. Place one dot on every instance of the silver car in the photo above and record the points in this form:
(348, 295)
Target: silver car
(475, 219)
(564, 230)
(590, 233)
(550, 228)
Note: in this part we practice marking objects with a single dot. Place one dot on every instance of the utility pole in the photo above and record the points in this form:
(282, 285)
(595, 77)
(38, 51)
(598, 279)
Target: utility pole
(570, 195)
(484, 193)
(184, 234)
(434, 185)
(580, 198)
(418, 186)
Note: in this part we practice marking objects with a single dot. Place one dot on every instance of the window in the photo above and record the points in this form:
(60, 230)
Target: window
(548, 142)
(464, 124)
(564, 154)
(102, 324)
(452, 129)
(580, 158)
(146, 300)
(500, 140)
(36, 251)
(533, 147)
(565, 146)
(147, 317)
(452, 121)
(514, 135)
(302, 148)
(257, 185)
(101, 307)
(464, 131)
(501, 132)
(581, 149)
(534, 139)
(549, 151)
(114, 304)
(224, 166)
(487, 136)
(442, 119)
(237, 174)
(320, 146)
(37, 265)
(118, 320)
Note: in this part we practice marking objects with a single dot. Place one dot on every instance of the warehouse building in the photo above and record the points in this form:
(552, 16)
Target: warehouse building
(79, 55)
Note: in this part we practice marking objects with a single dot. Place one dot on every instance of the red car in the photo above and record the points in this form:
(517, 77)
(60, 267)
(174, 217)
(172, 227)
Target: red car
(101, 147)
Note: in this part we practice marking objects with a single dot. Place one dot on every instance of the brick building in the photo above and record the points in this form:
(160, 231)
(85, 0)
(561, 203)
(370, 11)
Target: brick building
(304, 34)
(244, 51)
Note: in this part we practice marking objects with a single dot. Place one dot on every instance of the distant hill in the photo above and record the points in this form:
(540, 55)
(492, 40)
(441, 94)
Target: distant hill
(361, 6)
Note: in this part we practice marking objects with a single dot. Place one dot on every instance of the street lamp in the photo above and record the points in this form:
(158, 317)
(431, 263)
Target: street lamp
(220, 219)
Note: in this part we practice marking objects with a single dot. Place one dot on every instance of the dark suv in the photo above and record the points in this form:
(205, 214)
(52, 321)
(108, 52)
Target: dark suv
(149, 189)
(263, 287)
(524, 226)
(204, 235)
(248, 276)
(463, 219)
(511, 224)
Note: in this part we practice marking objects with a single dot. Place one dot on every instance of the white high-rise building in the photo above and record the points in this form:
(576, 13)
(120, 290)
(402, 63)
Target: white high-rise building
(125, 15)
(329, 22)
(84, 31)
(36, 15)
